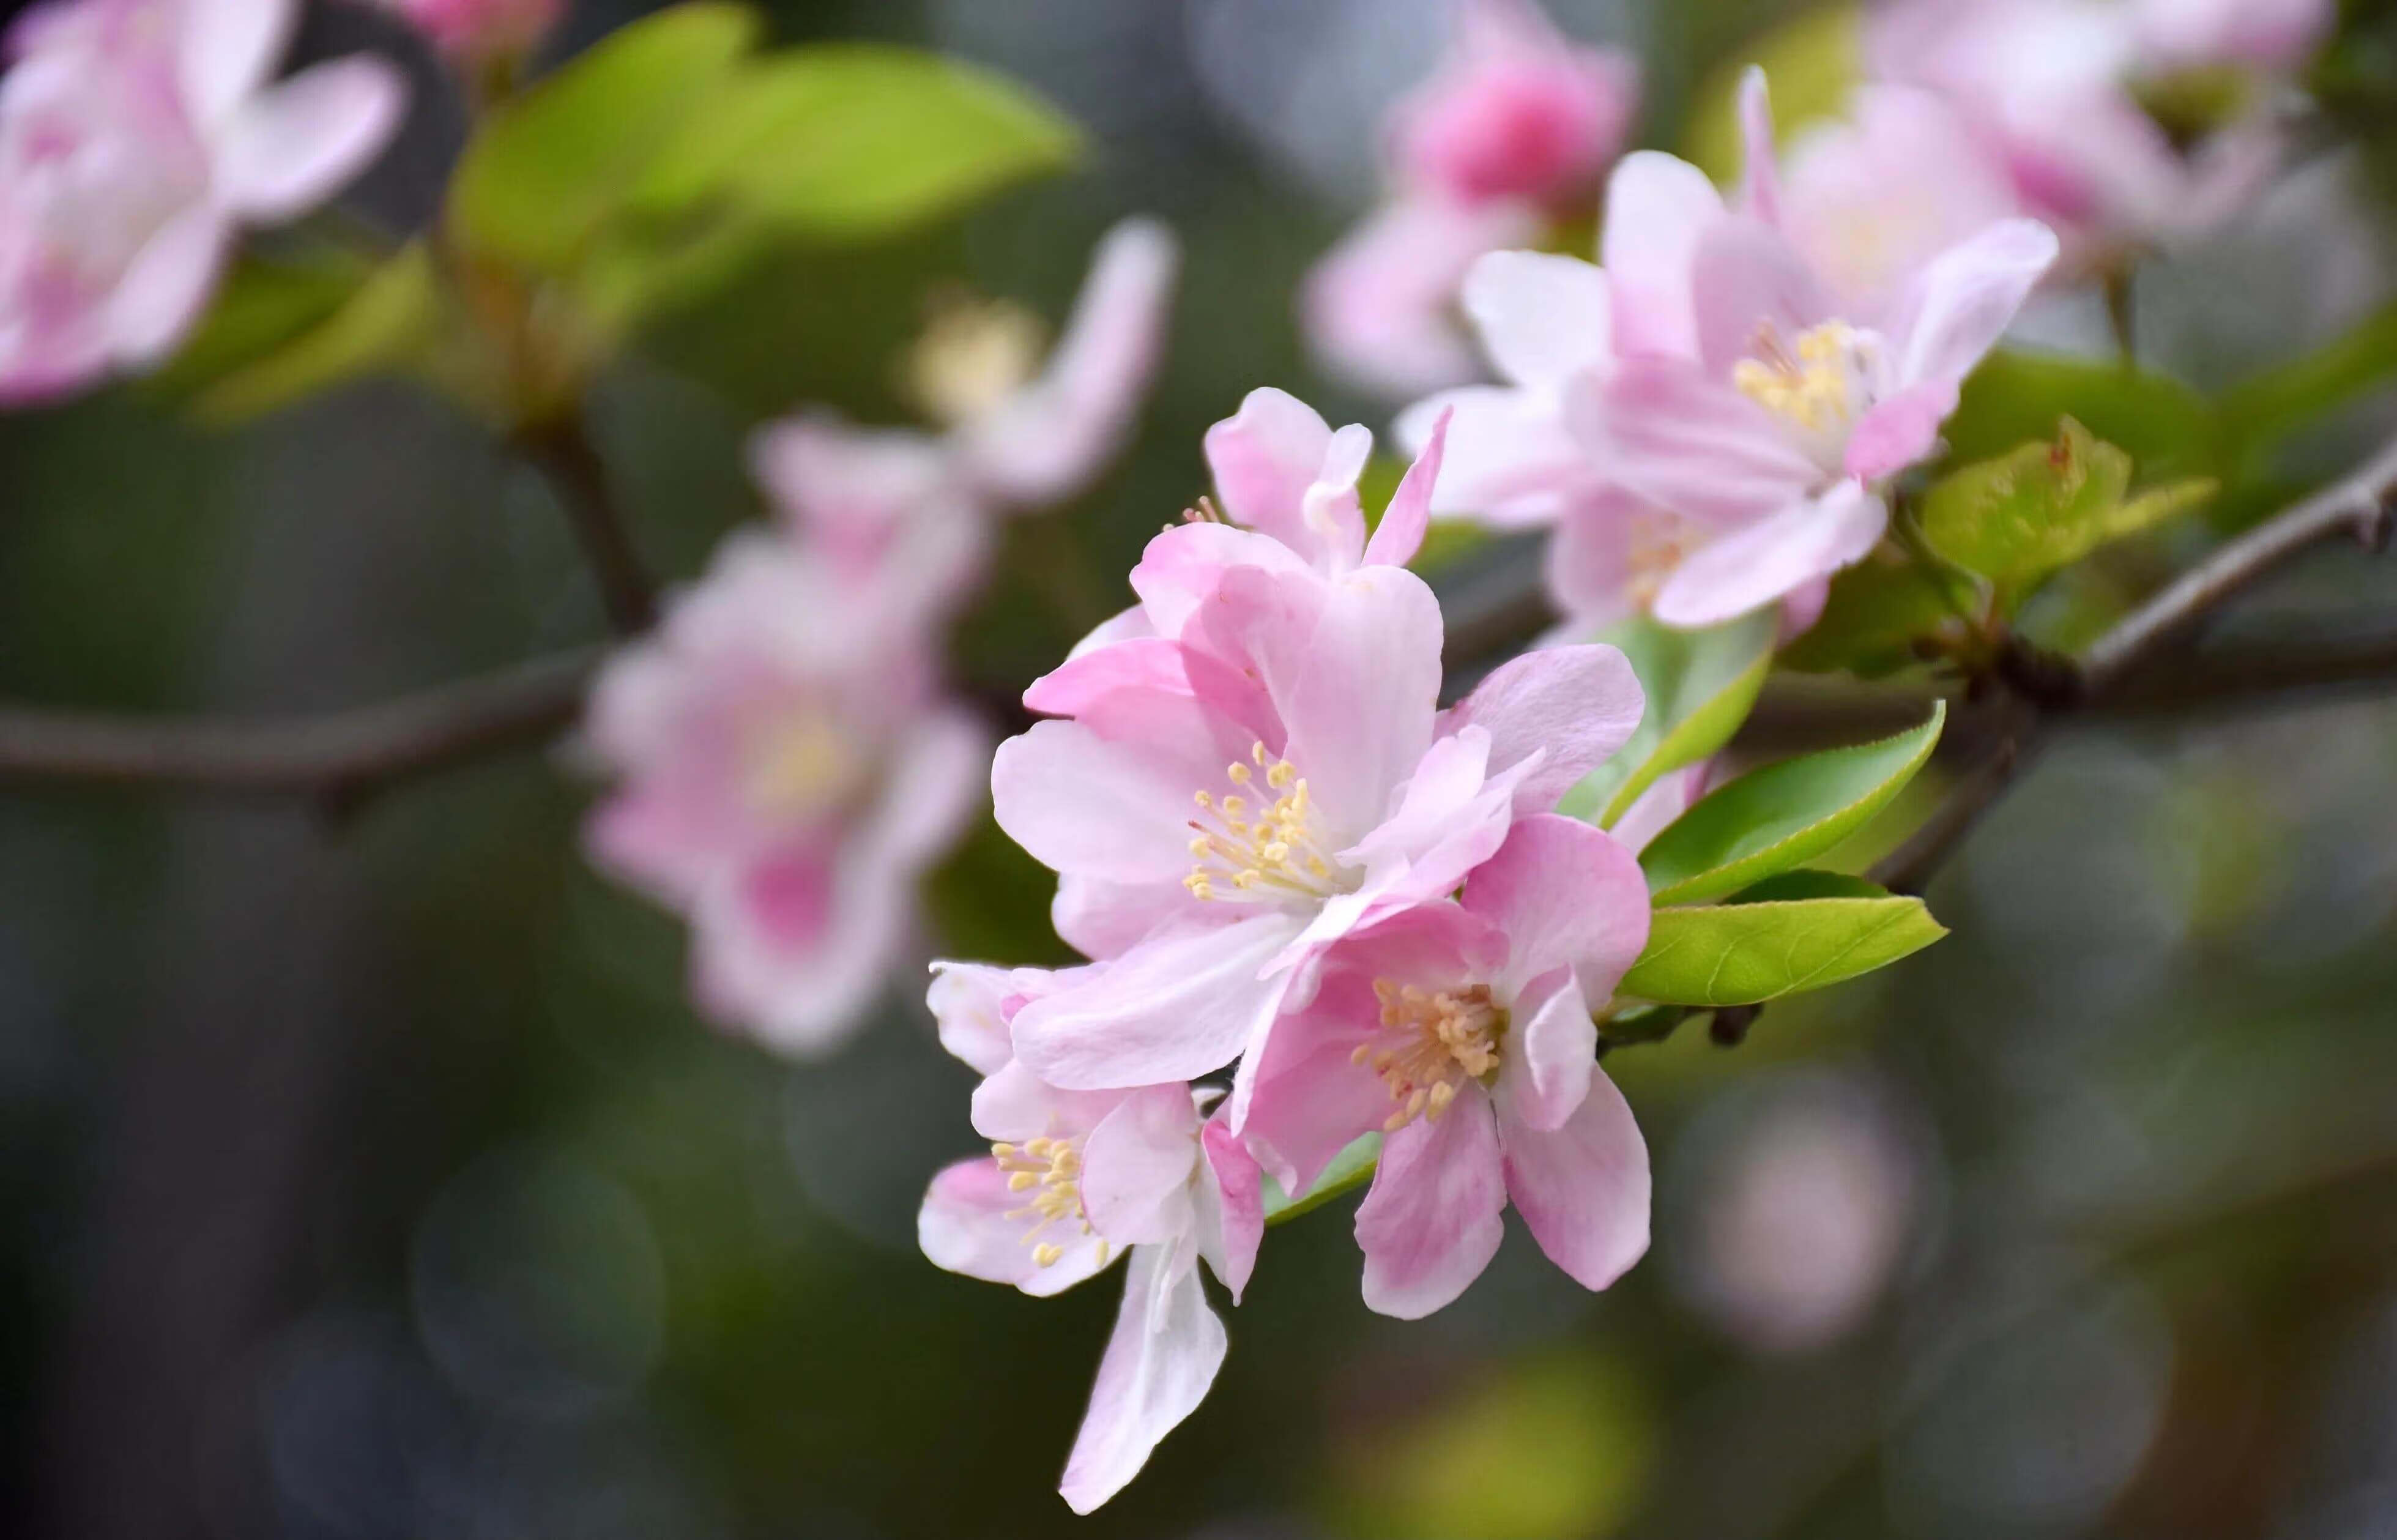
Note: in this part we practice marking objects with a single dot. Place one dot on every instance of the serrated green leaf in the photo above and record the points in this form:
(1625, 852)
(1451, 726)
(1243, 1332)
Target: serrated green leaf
(2027, 514)
(2167, 428)
(1876, 611)
(545, 174)
(1700, 687)
(853, 141)
(1746, 953)
(1350, 1168)
(1780, 817)
(387, 326)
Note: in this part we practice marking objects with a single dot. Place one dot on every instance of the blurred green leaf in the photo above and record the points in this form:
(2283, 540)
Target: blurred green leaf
(1876, 611)
(1813, 61)
(1700, 687)
(855, 140)
(2282, 399)
(2024, 515)
(390, 324)
(543, 176)
(1779, 817)
(1349, 1170)
(1746, 954)
(2167, 428)
(1805, 883)
(265, 304)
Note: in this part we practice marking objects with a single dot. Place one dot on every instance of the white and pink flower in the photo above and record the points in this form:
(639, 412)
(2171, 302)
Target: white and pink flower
(786, 769)
(1513, 133)
(1713, 414)
(136, 138)
(1075, 1179)
(1465, 1033)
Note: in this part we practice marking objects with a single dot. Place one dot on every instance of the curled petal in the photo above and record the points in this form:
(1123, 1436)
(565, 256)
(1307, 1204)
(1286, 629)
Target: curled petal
(1159, 1362)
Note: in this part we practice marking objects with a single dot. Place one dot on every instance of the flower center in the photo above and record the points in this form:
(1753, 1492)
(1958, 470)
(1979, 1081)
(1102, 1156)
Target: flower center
(1654, 545)
(1431, 1043)
(1819, 385)
(1051, 1170)
(802, 767)
(973, 355)
(1247, 849)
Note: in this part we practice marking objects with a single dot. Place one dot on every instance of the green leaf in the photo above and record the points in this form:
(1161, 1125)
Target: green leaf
(390, 325)
(1876, 612)
(1746, 954)
(1805, 883)
(1700, 687)
(265, 304)
(855, 140)
(2042, 506)
(1815, 60)
(2165, 426)
(1782, 816)
(546, 172)
(1350, 1168)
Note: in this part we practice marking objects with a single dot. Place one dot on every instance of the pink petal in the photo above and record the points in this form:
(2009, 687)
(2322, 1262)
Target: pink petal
(1174, 1008)
(1899, 430)
(1760, 179)
(1579, 704)
(1331, 512)
(796, 948)
(1361, 717)
(1107, 919)
(1114, 800)
(1542, 318)
(1264, 457)
(1657, 208)
(1583, 1189)
(1671, 795)
(1746, 280)
(1431, 1222)
(932, 787)
(1408, 518)
(964, 1227)
(1163, 1356)
(1378, 309)
(1811, 538)
(1544, 1078)
(290, 148)
(1232, 1181)
(1508, 459)
(1140, 662)
(1567, 895)
(1967, 296)
(228, 49)
(1137, 1165)
(1697, 446)
(1183, 566)
(1046, 443)
(160, 297)
(1014, 1105)
(1593, 569)
(968, 1001)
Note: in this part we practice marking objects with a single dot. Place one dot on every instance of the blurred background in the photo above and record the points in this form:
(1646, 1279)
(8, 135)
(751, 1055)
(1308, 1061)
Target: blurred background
(364, 1173)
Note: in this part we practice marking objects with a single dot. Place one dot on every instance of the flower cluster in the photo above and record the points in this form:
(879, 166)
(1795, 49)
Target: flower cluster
(136, 138)
(788, 761)
(1510, 136)
(1712, 418)
(1287, 863)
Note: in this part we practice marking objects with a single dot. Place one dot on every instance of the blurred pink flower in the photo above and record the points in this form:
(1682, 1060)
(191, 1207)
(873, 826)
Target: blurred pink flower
(1710, 413)
(1264, 772)
(136, 137)
(1077, 1179)
(1463, 1032)
(480, 29)
(2052, 87)
(1513, 130)
(1016, 440)
(786, 769)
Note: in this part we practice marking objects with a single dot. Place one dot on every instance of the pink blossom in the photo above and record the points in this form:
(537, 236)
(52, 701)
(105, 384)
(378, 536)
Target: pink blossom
(1513, 131)
(480, 29)
(136, 137)
(1711, 412)
(786, 770)
(1260, 772)
(1015, 439)
(1074, 1181)
(1465, 1033)
(2050, 86)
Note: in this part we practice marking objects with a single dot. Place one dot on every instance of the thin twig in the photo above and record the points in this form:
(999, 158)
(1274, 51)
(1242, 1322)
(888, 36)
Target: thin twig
(563, 450)
(341, 757)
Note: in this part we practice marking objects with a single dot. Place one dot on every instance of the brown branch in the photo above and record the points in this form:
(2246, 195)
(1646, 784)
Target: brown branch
(564, 452)
(343, 757)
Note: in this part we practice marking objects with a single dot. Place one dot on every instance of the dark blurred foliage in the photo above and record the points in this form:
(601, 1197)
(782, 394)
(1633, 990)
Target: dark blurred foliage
(368, 1175)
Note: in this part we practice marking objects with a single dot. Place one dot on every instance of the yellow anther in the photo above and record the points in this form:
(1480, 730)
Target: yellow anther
(1238, 773)
(1046, 1254)
(1257, 752)
(1280, 774)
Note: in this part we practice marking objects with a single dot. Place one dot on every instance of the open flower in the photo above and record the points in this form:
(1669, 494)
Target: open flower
(136, 137)
(1075, 1179)
(786, 770)
(1717, 414)
(1464, 1033)
(1512, 132)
